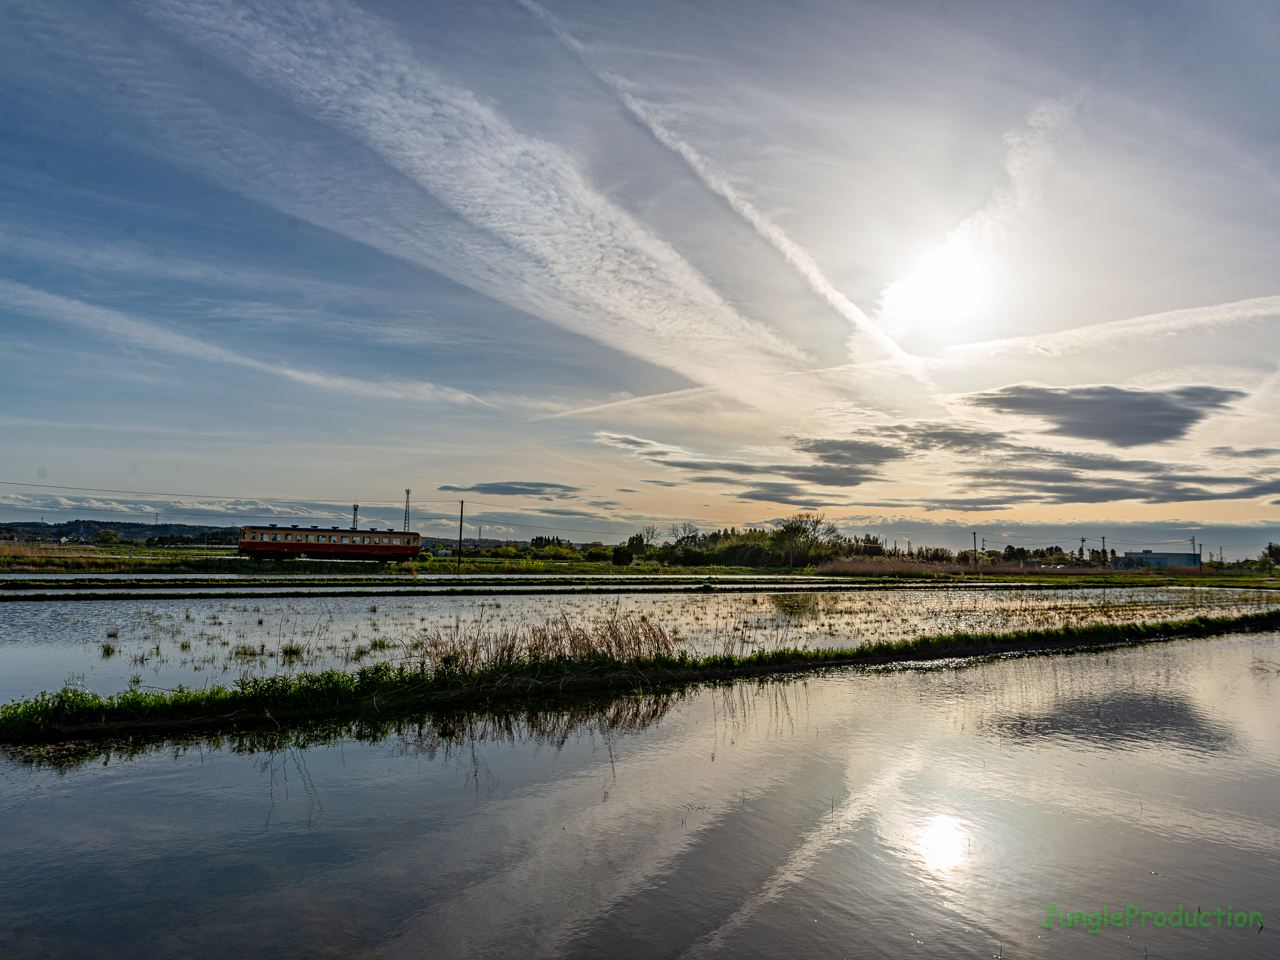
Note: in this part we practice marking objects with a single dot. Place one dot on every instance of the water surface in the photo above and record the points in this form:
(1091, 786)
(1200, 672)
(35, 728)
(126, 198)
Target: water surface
(106, 645)
(857, 814)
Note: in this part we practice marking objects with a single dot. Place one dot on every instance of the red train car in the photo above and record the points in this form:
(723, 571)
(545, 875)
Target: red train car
(334, 543)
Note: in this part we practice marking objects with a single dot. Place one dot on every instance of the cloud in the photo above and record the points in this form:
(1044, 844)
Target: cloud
(1120, 416)
(123, 329)
(1007, 484)
(1249, 453)
(536, 234)
(957, 436)
(1007, 473)
(1141, 329)
(849, 453)
(840, 462)
(867, 333)
(950, 285)
(518, 488)
(790, 494)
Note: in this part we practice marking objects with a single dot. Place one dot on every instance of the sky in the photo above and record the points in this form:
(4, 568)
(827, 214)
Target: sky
(926, 268)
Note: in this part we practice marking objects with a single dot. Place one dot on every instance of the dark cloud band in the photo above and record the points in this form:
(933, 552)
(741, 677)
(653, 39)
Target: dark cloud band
(1119, 416)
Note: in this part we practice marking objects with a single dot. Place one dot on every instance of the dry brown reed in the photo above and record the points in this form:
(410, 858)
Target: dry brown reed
(893, 567)
(482, 646)
(12, 548)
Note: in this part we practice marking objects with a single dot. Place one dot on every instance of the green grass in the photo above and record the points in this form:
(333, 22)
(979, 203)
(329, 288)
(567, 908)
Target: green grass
(620, 653)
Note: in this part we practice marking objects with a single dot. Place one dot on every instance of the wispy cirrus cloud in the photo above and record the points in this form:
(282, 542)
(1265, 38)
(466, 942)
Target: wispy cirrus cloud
(539, 236)
(1149, 328)
(868, 337)
(949, 286)
(121, 328)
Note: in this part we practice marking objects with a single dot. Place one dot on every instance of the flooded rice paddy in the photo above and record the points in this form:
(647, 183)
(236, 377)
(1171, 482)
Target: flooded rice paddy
(108, 645)
(932, 812)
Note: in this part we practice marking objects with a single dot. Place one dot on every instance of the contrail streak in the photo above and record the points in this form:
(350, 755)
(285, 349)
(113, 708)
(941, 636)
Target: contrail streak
(794, 254)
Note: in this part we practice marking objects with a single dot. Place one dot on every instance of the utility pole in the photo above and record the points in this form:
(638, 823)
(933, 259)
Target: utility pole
(1106, 559)
(975, 548)
(355, 516)
(1082, 549)
(462, 505)
(406, 511)
(1193, 546)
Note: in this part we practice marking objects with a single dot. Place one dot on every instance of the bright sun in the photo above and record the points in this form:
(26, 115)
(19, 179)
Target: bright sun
(949, 287)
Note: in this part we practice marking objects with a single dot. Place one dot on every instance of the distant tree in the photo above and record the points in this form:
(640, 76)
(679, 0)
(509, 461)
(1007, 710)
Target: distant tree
(683, 534)
(804, 537)
(933, 554)
(649, 533)
(105, 537)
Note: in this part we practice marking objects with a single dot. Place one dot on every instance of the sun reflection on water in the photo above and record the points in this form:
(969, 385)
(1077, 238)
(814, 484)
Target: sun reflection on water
(942, 844)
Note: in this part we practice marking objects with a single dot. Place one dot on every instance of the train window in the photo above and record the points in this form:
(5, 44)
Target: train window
(395, 541)
(288, 536)
(345, 540)
(366, 540)
(310, 538)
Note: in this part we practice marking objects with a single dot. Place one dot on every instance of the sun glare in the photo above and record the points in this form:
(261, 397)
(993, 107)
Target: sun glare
(942, 844)
(950, 286)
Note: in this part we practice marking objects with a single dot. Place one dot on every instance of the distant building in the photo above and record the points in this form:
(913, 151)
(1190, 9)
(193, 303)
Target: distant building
(1146, 558)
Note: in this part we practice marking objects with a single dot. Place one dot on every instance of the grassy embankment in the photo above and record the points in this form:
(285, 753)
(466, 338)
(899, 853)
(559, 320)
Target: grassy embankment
(151, 560)
(504, 664)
